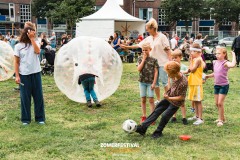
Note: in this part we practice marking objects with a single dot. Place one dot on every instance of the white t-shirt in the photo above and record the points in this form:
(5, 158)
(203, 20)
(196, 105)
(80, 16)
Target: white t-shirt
(29, 61)
(158, 45)
(199, 41)
(173, 43)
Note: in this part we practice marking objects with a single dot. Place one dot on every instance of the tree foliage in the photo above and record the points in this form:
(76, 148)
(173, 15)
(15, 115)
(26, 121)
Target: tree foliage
(226, 10)
(185, 10)
(69, 11)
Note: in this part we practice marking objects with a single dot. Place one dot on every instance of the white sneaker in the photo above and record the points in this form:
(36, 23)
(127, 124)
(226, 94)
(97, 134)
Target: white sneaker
(198, 122)
(156, 102)
(192, 118)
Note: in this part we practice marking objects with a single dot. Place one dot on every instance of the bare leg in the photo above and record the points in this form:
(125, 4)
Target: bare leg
(183, 109)
(152, 106)
(221, 99)
(199, 109)
(216, 102)
(143, 104)
(196, 108)
(157, 92)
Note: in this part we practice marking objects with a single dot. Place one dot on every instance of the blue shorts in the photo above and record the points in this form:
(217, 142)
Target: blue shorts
(221, 89)
(145, 89)
(162, 76)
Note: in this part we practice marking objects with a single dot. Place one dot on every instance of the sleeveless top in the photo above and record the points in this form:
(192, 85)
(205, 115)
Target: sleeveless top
(196, 77)
(115, 42)
(220, 73)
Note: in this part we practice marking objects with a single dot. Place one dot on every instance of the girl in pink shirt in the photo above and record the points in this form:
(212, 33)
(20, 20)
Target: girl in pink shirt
(221, 83)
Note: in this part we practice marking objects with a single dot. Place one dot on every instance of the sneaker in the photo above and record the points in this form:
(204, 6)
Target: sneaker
(16, 88)
(220, 123)
(184, 121)
(174, 119)
(41, 122)
(141, 130)
(25, 124)
(193, 118)
(198, 122)
(156, 102)
(89, 104)
(143, 118)
(156, 135)
(98, 104)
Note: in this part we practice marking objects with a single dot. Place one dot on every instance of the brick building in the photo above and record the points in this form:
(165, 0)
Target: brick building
(13, 14)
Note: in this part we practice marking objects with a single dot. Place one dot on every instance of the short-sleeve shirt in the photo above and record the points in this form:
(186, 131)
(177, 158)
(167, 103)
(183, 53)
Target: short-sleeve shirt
(53, 40)
(44, 43)
(29, 61)
(146, 75)
(178, 88)
(158, 45)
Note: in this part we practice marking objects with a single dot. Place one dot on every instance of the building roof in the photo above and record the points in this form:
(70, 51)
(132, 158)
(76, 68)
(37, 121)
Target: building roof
(112, 11)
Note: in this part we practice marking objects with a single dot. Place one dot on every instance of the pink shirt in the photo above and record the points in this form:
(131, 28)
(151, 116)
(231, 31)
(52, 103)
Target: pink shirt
(220, 73)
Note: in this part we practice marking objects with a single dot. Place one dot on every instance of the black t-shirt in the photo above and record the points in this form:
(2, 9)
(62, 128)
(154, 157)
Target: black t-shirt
(84, 76)
(44, 44)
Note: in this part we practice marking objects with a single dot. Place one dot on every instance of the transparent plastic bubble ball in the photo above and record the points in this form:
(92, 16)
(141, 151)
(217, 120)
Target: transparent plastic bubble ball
(6, 61)
(87, 55)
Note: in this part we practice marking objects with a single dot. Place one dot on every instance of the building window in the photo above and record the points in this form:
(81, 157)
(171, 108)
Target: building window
(162, 17)
(145, 13)
(25, 13)
(226, 22)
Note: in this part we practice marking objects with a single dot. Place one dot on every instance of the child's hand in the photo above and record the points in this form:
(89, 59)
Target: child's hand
(144, 56)
(31, 34)
(166, 96)
(153, 86)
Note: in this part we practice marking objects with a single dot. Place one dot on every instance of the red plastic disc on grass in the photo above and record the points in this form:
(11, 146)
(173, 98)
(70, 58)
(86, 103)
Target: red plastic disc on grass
(185, 137)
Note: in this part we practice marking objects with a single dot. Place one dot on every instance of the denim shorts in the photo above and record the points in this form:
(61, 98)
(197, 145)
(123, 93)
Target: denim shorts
(162, 76)
(145, 90)
(221, 89)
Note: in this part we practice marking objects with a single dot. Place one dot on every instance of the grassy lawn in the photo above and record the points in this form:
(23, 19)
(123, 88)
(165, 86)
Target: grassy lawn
(73, 131)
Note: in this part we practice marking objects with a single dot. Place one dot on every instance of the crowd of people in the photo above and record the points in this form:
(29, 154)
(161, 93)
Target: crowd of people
(159, 63)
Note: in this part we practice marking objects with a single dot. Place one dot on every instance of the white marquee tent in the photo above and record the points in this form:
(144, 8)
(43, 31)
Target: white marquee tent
(110, 18)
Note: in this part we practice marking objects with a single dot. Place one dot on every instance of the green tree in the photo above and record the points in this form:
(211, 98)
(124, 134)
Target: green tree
(184, 10)
(226, 10)
(69, 11)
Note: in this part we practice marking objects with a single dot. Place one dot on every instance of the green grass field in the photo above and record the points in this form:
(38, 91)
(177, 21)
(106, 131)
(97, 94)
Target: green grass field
(73, 131)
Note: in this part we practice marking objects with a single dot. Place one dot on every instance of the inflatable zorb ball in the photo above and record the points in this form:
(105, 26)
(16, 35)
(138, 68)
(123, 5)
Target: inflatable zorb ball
(87, 55)
(129, 126)
(6, 61)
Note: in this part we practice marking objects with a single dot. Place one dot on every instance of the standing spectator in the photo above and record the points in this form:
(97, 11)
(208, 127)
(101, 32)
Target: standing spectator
(110, 40)
(53, 41)
(43, 45)
(1, 37)
(64, 39)
(236, 48)
(160, 50)
(116, 41)
(69, 37)
(199, 39)
(28, 74)
(8, 36)
(173, 43)
(193, 36)
(12, 41)
(187, 37)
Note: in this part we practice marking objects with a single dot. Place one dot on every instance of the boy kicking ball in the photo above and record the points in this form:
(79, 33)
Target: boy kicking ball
(173, 99)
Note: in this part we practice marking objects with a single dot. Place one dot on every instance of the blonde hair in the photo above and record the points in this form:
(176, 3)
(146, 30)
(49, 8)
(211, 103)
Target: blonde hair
(223, 50)
(196, 45)
(172, 67)
(30, 24)
(146, 45)
(152, 23)
(176, 52)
